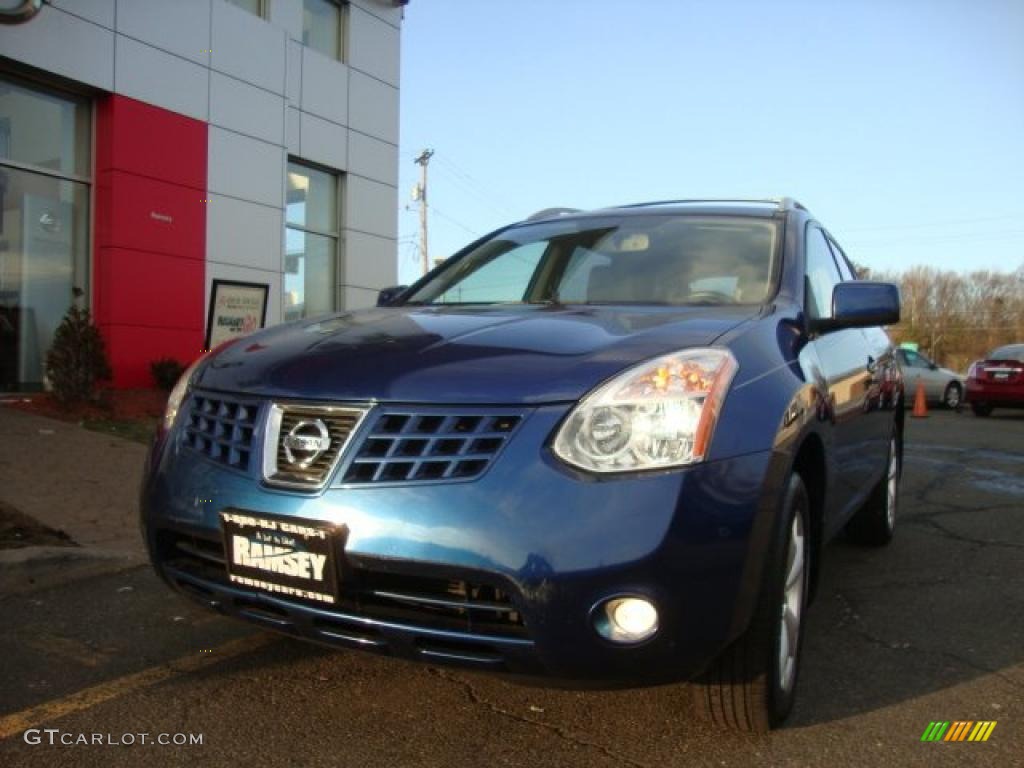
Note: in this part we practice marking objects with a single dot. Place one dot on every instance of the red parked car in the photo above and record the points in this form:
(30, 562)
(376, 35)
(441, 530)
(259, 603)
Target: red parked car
(997, 381)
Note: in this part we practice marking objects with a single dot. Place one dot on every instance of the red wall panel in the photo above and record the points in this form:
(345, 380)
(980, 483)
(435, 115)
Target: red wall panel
(150, 141)
(150, 215)
(123, 279)
(150, 235)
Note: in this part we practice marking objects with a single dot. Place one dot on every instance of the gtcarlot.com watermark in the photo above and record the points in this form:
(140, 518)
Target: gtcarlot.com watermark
(56, 737)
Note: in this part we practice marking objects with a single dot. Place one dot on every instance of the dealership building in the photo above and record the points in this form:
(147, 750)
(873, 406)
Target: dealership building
(157, 155)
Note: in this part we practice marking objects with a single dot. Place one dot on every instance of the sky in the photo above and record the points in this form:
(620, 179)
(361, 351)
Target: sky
(899, 123)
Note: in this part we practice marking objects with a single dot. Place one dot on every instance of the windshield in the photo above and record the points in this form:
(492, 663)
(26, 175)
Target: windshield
(657, 259)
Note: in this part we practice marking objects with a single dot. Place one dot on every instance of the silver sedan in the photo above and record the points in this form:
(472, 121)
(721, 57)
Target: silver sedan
(941, 385)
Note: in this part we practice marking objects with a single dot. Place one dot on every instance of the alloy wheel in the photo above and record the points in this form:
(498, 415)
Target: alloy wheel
(792, 604)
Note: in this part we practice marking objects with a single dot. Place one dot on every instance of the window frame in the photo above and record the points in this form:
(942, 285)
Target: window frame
(344, 25)
(808, 228)
(336, 235)
(262, 8)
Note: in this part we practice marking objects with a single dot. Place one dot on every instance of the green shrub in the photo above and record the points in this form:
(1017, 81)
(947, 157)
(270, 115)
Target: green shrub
(166, 372)
(77, 359)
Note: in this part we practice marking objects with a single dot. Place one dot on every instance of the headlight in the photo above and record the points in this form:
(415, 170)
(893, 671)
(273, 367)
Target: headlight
(177, 395)
(660, 413)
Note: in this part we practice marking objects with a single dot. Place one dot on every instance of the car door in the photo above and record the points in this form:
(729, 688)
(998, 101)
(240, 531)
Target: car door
(917, 367)
(935, 380)
(884, 372)
(844, 359)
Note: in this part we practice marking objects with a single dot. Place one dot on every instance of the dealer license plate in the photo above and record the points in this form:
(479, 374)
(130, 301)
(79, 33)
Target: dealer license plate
(284, 556)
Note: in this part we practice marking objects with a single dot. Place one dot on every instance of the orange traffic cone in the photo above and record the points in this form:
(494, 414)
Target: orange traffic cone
(920, 406)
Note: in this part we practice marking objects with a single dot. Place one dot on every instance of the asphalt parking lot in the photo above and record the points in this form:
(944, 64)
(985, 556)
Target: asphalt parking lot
(931, 628)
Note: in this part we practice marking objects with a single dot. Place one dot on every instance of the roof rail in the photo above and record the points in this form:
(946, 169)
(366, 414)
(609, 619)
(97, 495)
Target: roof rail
(782, 203)
(551, 213)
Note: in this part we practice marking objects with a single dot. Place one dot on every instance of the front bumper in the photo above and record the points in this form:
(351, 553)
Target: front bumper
(501, 572)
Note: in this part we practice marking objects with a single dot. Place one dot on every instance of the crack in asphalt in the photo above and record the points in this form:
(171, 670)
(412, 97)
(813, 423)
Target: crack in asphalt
(563, 733)
(851, 617)
(936, 525)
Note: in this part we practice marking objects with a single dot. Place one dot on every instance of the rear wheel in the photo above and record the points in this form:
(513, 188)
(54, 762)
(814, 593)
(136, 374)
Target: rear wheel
(875, 522)
(751, 686)
(953, 396)
(981, 409)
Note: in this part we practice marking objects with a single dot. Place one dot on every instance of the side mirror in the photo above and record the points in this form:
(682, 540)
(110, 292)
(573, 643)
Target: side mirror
(862, 304)
(388, 295)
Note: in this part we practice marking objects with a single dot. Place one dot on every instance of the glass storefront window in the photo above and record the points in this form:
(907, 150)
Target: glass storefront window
(43, 255)
(311, 242)
(44, 223)
(43, 130)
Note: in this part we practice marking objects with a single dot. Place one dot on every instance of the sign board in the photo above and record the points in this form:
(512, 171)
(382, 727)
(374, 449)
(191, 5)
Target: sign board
(236, 309)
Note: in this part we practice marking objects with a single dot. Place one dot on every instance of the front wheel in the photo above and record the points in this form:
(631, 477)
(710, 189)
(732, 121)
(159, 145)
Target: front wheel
(752, 685)
(953, 396)
(981, 409)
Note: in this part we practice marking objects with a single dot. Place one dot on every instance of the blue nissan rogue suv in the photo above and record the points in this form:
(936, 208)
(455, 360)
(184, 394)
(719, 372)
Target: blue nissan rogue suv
(604, 445)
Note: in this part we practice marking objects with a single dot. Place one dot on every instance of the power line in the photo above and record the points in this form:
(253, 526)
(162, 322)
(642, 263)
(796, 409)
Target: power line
(456, 222)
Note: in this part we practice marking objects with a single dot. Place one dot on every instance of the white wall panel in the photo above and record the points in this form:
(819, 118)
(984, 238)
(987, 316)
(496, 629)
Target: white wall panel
(323, 141)
(247, 47)
(66, 45)
(382, 9)
(158, 78)
(371, 207)
(324, 87)
(98, 11)
(181, 27)
(370, 262)
(374, 107)
(246, 108)
(357, 298)
(293, 132)
(374, 159)
(293, 89)
(373, 46)
(246, 168)
(244, 234)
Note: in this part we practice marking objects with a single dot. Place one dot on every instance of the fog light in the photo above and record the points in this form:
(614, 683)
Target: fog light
(626, 620)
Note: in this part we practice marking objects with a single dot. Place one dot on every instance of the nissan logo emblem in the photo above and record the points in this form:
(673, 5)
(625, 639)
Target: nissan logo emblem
(306, 442)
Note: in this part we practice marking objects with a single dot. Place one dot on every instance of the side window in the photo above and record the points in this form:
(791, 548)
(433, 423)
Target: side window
(915, 360)
(501, 280)
(821, 276)
(845, 270)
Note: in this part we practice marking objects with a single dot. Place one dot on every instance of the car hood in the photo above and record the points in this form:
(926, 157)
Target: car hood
(465, 355)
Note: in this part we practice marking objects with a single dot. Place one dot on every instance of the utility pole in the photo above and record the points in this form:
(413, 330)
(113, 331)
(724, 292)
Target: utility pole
(423, 160)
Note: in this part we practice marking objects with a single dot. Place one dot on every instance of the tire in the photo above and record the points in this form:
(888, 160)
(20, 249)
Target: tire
(953, 396)
(752, 685)
(981, 409)
(874, 523)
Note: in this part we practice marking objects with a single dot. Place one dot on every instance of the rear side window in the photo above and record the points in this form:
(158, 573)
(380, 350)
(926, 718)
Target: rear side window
(1012, 352)
(821, 275)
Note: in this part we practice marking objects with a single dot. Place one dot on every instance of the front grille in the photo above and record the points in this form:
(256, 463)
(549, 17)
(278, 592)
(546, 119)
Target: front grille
(404, 447)
(221, 428)
(473, 606)
(306, 469)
